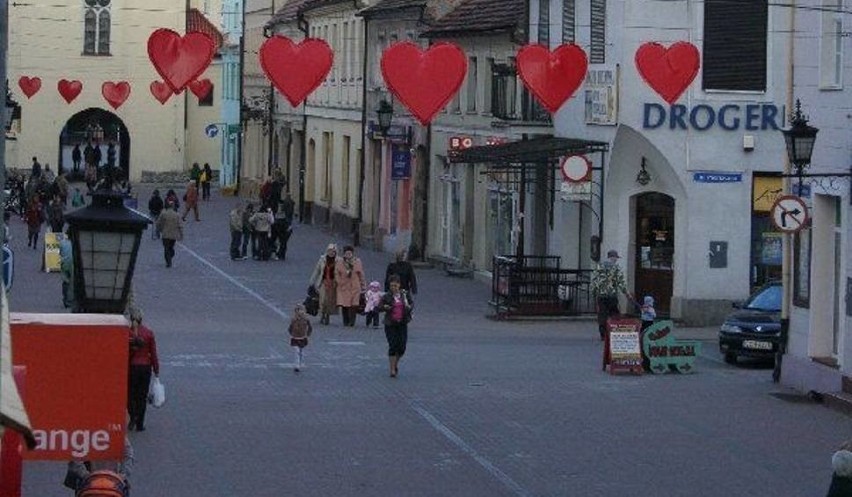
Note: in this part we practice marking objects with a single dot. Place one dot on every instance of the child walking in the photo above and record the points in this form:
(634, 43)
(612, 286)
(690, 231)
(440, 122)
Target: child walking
(647, 313)
(373, 298)
(300, 329)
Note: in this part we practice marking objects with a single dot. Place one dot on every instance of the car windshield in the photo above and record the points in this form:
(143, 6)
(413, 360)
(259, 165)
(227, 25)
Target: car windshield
(768, 299)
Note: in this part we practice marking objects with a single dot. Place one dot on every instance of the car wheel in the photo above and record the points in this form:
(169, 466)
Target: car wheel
(731, 357)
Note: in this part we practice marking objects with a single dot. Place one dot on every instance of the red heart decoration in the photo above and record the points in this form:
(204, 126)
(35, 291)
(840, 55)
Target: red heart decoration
(552, 77)
(69, 89)
(115, 93)
(177, 59)
(161, 91)
(295, 70)
(201, 88)
(30, 86)
(424, 80)
(669, 72)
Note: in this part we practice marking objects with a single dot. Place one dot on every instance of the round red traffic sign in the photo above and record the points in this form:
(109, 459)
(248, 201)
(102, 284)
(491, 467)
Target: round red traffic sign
(789, 213)
(576, 168)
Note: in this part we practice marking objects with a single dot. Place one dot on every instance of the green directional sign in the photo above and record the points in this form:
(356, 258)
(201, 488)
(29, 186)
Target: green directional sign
(666, 353)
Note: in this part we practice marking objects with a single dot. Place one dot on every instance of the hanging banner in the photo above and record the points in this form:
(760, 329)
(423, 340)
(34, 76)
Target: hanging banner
(400, 162)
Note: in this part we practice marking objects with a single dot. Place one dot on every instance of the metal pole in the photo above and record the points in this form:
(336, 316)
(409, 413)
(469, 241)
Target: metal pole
(242, 91)
(303, 27)
(356, 235)
(4, 46)
(271, 120)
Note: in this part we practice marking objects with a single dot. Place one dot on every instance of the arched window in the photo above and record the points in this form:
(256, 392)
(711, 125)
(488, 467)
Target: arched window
(97, 27)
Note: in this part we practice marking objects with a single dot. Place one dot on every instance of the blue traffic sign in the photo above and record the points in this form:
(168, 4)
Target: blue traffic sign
(8, 267)
(211, 130)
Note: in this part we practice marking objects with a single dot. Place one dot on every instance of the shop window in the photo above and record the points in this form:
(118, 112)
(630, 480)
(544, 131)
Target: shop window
(734, 52)
(96, 27)
(802, 268)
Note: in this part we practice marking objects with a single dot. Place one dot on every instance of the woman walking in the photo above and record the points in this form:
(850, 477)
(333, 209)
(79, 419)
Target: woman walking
(404, 270)
(143, 361)
(323, 280)
(397, 306)
(349, 275)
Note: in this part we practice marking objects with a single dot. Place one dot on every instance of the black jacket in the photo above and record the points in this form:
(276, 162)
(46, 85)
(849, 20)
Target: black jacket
(155, 205)
(405, 271)
(386, 305)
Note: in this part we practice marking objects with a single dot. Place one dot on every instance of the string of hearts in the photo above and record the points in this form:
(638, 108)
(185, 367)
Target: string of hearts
(423, 80)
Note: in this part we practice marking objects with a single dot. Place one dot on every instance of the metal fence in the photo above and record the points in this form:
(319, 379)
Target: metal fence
(538, 286)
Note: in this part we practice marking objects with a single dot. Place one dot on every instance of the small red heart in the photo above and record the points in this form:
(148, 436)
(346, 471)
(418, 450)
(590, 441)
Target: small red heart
(177, 59)
(30, 86)
(424, 80)
(201, 88)
(295, 70)
(115, 93)
(552, 77)
(161, 91)
(669, 72)
(69, 89)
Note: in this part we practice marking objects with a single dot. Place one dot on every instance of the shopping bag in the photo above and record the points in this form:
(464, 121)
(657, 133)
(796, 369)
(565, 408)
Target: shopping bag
(157, 393)
(311, 302)
(362, 303)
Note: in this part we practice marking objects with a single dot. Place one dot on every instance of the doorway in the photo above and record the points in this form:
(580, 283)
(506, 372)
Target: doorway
(654, 250)
(99, 129)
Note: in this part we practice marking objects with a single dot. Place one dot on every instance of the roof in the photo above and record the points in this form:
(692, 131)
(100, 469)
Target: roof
(480, 16)
(289, 12)
(198, 22)
(534, 150)
(390, 5)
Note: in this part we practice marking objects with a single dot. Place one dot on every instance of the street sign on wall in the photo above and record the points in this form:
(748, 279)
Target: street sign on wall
(789, 213)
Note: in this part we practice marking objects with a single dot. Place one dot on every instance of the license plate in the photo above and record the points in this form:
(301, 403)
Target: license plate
(757, 345)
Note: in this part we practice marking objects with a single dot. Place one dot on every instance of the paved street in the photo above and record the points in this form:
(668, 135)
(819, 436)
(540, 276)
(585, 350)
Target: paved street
(481, 408)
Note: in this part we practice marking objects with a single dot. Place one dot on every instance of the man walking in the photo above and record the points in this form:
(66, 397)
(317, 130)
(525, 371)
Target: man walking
(235, 220)
(607, 281)
(169, 226)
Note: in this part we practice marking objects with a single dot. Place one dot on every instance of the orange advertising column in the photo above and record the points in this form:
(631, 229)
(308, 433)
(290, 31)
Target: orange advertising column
(76, 394)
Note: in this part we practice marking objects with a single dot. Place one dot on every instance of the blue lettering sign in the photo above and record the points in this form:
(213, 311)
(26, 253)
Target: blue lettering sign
(723, 123)
(708, 120)
(660, 115)
(702, 117)
(714, 177)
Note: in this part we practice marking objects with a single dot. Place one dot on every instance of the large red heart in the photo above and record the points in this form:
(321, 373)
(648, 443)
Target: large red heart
(161, 91)
(115, 93)
(201, 88)
(30, 86)
(177, 59)
(552, 77)
(295, 70)
(424, 80)
(669, 72)
(69, 89)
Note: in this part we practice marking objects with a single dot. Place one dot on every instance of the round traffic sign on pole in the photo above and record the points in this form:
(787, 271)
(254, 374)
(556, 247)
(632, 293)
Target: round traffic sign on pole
(576, 168)
(789, 213)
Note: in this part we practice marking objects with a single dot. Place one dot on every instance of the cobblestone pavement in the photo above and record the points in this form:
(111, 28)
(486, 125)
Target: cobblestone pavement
(481, 407)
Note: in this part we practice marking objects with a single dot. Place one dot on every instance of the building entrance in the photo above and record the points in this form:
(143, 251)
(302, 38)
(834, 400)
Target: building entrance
(654, 268)
(99, 135)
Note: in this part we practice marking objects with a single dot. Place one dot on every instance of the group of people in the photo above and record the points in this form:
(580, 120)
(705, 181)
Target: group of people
(168, 224)
(266, 230)
(201, 176)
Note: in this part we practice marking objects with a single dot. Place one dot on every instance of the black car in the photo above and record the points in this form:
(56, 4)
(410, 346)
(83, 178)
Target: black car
(754, 329)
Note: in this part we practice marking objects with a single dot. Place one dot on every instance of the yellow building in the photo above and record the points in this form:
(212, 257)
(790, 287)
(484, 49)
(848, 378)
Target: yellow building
(95, 42)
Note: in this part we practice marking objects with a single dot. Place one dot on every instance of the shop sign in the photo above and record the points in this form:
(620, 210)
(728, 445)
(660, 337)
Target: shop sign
(576, 191)
(731, 117)
(52, 259)
(666, 353)
(716, 177)
(601, 92)
(622, 344)
(460, 142)
(770, 253)
(400, 162)
(766, 190)
(76, 396)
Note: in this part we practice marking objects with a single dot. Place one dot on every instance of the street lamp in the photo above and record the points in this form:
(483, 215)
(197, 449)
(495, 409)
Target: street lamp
(385, 115)
(105, 238)
(644, 177)
(800, 138)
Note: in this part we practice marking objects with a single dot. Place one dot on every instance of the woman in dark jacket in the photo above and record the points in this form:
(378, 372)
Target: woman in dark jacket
(397, 306)
(404, 271)
(143, 362)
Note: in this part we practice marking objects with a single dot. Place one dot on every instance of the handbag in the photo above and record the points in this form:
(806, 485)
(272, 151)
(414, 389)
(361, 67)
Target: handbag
(311, 301)
(362, 303)
(156, 393)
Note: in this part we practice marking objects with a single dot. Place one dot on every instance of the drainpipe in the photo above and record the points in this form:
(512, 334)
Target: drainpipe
(270, 123)
(302, 25)
(356, 236)
(239, 171)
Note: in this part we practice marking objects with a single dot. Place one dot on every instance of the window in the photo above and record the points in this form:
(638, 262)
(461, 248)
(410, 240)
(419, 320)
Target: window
(472, 84)
(503, 91)
(96, 27)
(544, 22)
(345, 163)
(568, 21)
(327, 143)
(597, 47)
(207, 101)
(735, 45)
(831, 47)
(488, 86)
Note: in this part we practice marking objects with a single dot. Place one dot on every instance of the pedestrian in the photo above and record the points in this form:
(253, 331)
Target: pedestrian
(89, 155)
(66, 269)
(102, 478)
(77, 199)
(195, 175)
(372, 300)
(281, 231)
(248, 232)
(47, 174)
(647, 313)
(323, 280)
(97, 156)
(288, 206)
(155, 207)
(349, 275)
(111, 154)
(235, 221)
(171, 231)
(172, 197)
(91, 177)
(404, 270)
(62, 187)
(300, 329)
(34, 218)
(397, 306)
(606, 282)
(841, 477)
(143, 363)
(35, 169)
(206, 177)
(76, 157)
(56, 214)
(190, 199)
(262, 221)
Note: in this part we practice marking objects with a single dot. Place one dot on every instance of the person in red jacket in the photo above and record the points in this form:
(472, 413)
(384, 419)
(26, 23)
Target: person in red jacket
(143, 362)
(34, 217)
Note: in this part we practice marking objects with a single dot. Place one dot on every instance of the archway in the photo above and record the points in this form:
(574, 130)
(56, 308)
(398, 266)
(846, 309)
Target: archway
(100, 128)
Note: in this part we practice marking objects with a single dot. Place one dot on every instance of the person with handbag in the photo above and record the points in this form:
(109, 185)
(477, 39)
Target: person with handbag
(351, 285)
(143, 362)
(397, 306)
(323, 280)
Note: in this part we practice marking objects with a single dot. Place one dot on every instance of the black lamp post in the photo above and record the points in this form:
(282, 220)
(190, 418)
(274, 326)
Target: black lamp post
(105, 238)
(385, 115)
(800, 138)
